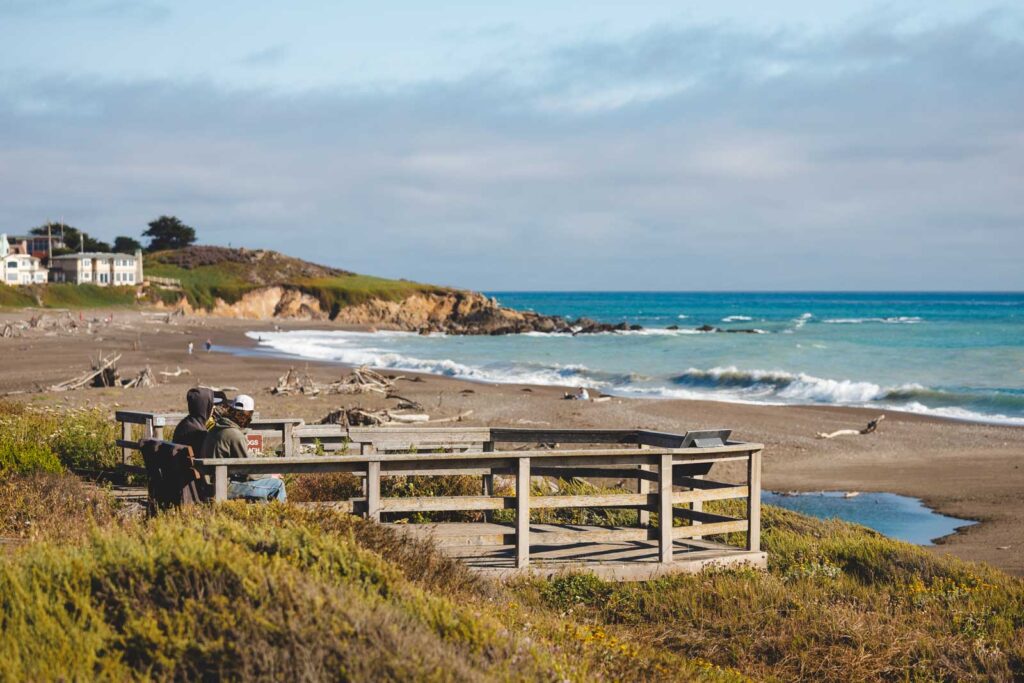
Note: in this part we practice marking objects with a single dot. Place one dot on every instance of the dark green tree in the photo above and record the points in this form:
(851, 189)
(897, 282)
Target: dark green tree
(126, 245)
(168, 232)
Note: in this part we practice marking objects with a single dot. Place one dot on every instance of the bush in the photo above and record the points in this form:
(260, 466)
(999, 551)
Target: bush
(44, 440)
(272, 592)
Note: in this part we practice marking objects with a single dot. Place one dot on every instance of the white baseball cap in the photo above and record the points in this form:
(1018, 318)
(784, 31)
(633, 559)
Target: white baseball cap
(244, 402)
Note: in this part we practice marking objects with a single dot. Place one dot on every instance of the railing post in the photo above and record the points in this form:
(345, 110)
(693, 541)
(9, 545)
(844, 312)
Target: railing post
(373, 490)
(754, 501)
(665, 508)
(286, 437)
(697, 506)
(523, 513)
(487, 485)
(126, 435)
(643, 515)
(220, 483)
(159, 422)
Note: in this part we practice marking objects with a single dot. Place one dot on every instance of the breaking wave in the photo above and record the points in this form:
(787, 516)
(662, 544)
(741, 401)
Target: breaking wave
(723, 383)
(736, 318)
(893, 320)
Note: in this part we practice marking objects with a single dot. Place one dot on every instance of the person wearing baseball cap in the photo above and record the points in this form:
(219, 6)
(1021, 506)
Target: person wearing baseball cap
(227, 440)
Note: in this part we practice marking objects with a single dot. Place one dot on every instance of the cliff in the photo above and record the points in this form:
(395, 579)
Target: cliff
(261, 284)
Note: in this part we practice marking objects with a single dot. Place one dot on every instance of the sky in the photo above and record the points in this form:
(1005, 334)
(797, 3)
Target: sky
(557, 145)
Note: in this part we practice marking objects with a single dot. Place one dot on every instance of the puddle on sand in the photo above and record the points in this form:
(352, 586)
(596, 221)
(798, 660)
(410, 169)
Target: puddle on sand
(900, 517)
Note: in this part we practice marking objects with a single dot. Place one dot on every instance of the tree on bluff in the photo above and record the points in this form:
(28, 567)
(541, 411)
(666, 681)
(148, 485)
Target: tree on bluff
(168, 232)
(126, 245)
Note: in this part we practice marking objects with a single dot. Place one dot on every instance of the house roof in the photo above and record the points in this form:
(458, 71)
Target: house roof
(93, 254)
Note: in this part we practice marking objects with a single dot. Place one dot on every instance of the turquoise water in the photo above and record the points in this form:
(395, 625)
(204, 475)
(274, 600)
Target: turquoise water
(906, 519)
(958, 355)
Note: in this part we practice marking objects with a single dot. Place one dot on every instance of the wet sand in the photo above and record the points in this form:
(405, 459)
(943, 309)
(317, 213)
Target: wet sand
(965, 470)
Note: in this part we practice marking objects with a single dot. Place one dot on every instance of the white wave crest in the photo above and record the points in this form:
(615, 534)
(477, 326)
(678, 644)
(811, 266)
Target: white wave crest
(894, 320)
(736, 318)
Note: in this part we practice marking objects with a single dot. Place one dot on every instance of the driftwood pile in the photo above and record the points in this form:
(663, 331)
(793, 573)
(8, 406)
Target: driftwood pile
(360, 417)
(360, 381)
(104, 373)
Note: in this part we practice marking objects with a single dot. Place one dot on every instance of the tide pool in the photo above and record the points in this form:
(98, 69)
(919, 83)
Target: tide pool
(899, 517)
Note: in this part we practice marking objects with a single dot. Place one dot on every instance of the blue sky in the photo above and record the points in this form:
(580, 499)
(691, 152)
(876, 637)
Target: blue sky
(537, 145)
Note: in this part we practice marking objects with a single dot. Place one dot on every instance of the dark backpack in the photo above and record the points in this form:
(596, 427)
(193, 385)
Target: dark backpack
(173, 477)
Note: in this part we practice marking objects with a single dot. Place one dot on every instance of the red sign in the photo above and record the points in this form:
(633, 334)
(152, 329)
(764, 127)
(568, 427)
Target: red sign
(254, 442)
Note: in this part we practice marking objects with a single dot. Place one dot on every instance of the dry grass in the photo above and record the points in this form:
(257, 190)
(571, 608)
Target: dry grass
(275, 592)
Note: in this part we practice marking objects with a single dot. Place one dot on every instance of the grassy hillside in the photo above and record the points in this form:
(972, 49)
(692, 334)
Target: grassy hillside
(209, 273)
(66, 296)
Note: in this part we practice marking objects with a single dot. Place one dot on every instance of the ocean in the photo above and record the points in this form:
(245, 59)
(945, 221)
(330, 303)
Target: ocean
(957, 355)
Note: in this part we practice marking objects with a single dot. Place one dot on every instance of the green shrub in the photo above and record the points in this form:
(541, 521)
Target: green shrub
(40, 439)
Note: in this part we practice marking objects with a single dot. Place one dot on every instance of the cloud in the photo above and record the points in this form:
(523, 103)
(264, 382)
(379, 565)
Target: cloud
(268, 56)
(679, 158)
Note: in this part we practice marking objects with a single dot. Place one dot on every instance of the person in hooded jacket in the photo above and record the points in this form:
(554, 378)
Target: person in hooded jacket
(192, 430)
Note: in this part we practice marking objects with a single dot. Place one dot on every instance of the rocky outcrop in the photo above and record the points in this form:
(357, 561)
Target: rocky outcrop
(263, 304)
(453, 312)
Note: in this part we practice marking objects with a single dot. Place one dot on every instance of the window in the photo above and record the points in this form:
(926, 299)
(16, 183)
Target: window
(12, 264)
(12, 277)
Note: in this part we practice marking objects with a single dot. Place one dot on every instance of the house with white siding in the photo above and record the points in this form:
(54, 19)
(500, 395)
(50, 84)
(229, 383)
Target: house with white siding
(19, 268)
(102, 269)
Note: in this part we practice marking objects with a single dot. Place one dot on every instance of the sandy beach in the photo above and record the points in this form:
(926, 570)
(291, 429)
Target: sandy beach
(966, 470)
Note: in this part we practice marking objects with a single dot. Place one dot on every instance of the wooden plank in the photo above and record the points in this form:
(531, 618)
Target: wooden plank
(523, 513)
(660, 439)
(698, 482)
(132, 417)
(566, 458)
(699, 496)
(700, 516)
(596, 501)
(709, 529)
(754, 502)
(314, 431)
(446, 503)
(373, 491)
(665, 509)
(594, 473)
(220, 483)
(624, 436)
(127, 445)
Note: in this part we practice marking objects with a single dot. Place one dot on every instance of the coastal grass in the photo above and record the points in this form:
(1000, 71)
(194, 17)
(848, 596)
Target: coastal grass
(41, 439)
(65, 295)
(277, 592)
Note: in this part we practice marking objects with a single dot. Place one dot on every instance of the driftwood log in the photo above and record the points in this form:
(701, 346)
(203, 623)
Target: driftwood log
(870, 428)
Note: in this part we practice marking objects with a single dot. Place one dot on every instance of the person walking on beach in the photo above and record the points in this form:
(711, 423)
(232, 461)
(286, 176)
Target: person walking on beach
(190, 346)
(209, 345)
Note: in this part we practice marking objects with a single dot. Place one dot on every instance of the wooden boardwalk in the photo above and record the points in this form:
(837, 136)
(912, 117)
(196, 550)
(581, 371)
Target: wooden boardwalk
(669, 477)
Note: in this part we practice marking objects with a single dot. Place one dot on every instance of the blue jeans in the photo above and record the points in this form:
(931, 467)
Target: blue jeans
(262, 489)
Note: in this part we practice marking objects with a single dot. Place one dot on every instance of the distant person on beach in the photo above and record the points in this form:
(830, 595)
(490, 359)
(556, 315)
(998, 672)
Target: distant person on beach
(193, 429)
(190, 347)
(581, 394)
(209, 345)
(226, 440)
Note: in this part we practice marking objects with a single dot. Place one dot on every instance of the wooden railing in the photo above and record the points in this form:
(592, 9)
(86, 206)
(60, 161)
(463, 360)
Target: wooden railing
(656, 461)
